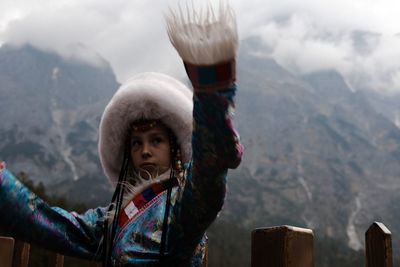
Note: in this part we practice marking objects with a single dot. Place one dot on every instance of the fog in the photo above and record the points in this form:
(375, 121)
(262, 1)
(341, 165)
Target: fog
(357, 38)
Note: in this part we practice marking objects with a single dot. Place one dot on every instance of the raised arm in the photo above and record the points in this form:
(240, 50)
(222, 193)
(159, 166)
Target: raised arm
(216, 148)
(29, 218)
(207, 42)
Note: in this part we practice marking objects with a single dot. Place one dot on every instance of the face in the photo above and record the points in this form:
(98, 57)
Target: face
(150, 151)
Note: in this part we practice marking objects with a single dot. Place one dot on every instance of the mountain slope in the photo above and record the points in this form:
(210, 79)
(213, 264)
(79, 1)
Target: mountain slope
(317, 154)
(50, 110)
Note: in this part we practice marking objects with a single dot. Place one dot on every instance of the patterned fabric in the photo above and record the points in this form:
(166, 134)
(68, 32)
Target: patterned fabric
(194, 205)
(143, 199)
(211, 78)
(2, 165)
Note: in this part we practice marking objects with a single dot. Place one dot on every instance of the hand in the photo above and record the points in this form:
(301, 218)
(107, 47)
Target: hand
(204, 36)
(207, 41)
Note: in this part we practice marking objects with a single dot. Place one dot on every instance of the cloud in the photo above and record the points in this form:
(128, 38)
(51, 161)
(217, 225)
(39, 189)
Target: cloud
(129, 34)
(357, 38)
(302, 45)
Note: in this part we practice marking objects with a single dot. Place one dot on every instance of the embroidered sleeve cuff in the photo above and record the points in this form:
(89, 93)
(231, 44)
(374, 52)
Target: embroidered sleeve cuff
(2, 166)
(208, 79)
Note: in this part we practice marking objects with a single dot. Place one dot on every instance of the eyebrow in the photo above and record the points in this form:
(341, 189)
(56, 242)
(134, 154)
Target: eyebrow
(152, 132)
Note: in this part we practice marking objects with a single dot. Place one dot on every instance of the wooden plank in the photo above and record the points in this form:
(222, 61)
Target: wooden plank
(21, 254)
(378, 246)
(56, 260)
(95, 264)
(6, 251)
(205, 261)
(283, 246)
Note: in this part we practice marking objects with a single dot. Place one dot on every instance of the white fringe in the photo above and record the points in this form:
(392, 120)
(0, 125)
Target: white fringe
(131, 190)
(204, 36)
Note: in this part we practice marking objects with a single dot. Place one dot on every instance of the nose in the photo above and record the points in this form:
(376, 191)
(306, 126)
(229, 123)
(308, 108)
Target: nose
(146, 152)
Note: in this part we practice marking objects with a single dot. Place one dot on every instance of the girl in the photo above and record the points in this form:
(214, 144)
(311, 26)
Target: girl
(166, 154)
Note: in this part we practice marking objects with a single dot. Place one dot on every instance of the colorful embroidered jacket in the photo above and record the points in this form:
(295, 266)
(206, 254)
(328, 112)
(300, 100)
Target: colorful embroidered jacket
(194, 206)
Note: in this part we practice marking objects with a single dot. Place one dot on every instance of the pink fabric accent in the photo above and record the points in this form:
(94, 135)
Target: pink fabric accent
(225, 76)
(2, 165)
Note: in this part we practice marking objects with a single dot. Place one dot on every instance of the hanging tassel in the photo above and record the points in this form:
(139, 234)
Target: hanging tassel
(109, 231)
(204, 36)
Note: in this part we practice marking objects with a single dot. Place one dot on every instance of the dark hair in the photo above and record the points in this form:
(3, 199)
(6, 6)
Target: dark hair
(117, 198)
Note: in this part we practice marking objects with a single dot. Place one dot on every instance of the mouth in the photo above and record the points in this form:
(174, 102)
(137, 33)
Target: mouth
(147, 165)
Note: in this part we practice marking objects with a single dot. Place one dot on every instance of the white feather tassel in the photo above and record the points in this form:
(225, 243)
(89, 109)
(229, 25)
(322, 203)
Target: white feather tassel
(204, 36)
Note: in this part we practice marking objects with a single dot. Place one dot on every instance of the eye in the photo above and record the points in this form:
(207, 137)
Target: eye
(157, 140)
(135, 143)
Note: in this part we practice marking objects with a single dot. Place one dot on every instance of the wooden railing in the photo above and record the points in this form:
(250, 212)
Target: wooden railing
(285, 246)
(289, 246)
(281, 246)
(16, 254)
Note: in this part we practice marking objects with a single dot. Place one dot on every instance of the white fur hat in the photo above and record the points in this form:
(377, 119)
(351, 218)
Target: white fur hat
(150, 95)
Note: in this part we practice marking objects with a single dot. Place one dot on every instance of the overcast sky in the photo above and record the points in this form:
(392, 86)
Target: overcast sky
(358, 38)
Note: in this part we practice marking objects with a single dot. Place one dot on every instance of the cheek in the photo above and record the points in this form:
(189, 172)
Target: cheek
(134, 157)
(166, 151)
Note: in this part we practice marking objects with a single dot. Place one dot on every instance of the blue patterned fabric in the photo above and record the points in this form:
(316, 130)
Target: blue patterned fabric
(212, 77)
(194, 205)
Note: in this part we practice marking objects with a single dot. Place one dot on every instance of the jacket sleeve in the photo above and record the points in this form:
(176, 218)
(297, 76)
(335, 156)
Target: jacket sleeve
(215, 145)
(27, 217)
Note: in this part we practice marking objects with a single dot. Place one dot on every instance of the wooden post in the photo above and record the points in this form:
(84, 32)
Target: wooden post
(56, 260)
(95, 264)
(21, 254)
(282, 246)
(205, 261)
(6, 251)
(378, 246)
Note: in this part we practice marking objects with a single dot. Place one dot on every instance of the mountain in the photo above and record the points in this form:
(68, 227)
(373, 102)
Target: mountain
(318, 155)
(50, 110)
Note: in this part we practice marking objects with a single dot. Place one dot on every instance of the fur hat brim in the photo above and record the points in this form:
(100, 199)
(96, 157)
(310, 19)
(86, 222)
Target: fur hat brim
(149, 96)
